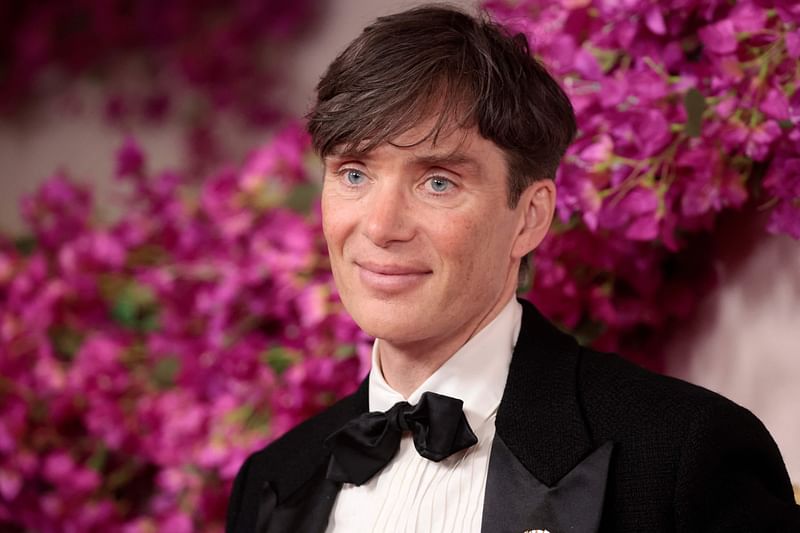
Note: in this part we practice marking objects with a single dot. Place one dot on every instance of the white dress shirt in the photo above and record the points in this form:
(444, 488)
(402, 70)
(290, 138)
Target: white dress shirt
(414, 494)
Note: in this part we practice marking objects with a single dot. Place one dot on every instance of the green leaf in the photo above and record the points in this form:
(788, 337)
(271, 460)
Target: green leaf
(98, 459)
(133, 305)
(165, 371)
(278, 358)
(587, 331)
(25, 245)
(695, 104)
(606, 58)
(66, 341)
(120, 476)
(344, 351)
(239, 415)
(258, 419)
(302, 197)
(38, 411)
(124, 312)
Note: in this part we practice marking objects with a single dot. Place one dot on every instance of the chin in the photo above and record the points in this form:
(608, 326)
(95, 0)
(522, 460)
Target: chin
(397, 334)
(391, 320)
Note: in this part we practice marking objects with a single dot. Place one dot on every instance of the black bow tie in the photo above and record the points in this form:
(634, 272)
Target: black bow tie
(367, 443)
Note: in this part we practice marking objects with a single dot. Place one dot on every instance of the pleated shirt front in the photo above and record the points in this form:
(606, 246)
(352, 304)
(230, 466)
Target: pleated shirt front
(415, 495)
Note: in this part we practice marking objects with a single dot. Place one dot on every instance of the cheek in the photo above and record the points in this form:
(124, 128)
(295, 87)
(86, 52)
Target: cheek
(460, 242)
(475, 249)
(329, 232)
(334, 224)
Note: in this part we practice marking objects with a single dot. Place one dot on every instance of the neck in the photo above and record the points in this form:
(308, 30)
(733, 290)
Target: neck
(406, 366)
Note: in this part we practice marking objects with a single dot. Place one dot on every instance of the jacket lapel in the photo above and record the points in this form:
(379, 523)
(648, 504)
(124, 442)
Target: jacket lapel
(299, 498)
(544, 470)
(307, 511)
(516, 501)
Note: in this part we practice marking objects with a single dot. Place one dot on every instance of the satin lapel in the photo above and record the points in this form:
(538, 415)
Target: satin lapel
(516, 501)
(539, 417)
(541, 426)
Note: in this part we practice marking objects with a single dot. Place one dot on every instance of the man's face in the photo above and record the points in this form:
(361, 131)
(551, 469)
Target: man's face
(421, 239)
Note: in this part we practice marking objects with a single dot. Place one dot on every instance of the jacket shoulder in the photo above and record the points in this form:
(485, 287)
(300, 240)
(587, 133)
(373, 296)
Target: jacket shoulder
(299, 452)
(618, 393)
(600, 370)
(711, 462)
(290, 461)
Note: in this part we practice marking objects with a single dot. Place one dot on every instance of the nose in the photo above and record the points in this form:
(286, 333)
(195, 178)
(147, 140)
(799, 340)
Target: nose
(387, 217)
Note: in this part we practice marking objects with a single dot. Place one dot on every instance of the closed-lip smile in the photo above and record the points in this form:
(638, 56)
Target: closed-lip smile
(391, 269)
(390, 277)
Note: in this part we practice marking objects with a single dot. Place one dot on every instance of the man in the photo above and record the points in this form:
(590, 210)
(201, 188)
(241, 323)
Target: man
(440, 137)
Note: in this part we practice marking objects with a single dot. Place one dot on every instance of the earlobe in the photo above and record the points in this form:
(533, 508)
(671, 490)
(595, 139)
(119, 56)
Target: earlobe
(537, 205)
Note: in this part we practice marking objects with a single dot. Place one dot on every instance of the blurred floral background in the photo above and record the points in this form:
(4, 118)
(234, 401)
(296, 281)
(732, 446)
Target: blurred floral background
(158, 322)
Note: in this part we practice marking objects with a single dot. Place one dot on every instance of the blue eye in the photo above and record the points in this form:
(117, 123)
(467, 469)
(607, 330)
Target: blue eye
(439, 184)
(354, 177)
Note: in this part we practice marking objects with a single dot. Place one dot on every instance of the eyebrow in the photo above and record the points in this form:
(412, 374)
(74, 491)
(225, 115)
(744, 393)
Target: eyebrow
(456, 159)
(445, 160)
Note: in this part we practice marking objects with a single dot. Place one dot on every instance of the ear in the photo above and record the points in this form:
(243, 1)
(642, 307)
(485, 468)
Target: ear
(536, 207)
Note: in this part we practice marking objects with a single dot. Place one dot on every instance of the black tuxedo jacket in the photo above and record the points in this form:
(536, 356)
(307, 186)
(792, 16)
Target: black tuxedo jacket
(585, 441)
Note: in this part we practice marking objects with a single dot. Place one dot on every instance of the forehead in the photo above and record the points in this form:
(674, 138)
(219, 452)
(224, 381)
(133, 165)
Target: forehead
(426, 145)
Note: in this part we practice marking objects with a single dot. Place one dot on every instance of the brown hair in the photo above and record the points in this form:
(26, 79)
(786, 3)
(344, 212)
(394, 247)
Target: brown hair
(437, 60)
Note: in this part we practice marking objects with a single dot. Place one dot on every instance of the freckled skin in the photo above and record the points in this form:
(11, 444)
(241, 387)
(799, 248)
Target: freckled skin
(438, 213)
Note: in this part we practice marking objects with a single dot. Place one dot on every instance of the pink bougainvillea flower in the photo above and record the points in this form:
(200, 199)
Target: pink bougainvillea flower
(689, 96)
(282, 159)
(152, 343)
(761, 139)
(785, 219)
(130, 160)
(636, 213)
(58, 212)
(144, 358)
(654, 20)
(775, 104)
(793, 43)
(720, 37)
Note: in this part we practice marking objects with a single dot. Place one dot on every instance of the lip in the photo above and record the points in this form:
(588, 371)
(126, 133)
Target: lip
(391, 278)
(390, 269)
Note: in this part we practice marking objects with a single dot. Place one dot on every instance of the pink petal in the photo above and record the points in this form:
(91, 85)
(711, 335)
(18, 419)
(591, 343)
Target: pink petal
(719, 38)
(655, 21)
(793, 44)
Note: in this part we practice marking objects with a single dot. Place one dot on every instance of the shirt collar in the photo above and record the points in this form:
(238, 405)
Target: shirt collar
(476, 373)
